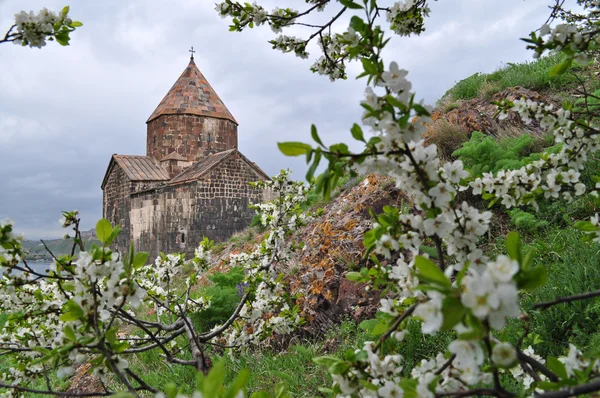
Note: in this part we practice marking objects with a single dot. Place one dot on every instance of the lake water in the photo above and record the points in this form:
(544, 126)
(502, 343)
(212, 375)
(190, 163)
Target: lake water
(40, 266)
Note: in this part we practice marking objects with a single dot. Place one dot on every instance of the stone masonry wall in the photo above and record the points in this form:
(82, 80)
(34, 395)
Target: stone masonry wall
(174, 218)
(116, 204)
(191, 136)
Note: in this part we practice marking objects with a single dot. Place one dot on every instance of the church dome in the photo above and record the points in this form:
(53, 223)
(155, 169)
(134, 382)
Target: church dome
(192, 95)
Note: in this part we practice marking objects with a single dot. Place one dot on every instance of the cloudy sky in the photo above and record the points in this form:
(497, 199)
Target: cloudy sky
(65, 110)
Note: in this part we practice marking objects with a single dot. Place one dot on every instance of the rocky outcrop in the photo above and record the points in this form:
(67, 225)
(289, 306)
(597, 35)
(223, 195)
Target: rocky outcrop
(478, 114)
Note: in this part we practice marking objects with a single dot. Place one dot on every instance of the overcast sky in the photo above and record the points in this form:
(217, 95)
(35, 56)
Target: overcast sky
(65, 110)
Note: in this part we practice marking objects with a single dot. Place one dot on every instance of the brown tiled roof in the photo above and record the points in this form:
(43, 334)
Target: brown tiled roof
(174, 156)
(200, 168)
(192, 94)
(141, 168)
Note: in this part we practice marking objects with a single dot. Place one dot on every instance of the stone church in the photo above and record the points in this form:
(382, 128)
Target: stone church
(193, 181)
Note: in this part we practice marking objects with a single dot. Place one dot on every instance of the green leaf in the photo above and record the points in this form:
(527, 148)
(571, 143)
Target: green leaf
(357, 23)
(103, 230)
(453, 312)
(532, 278)
(353, 276)
(369, 66)
(315, 135)
(75, 24)
(62, 38)
(339, 148)
(557, 367)
(123, 394)
(586, 226)
(281, 391)
(528, 259)
(421, 110)
(214, 381)
(351, 4)
(357, 133)
(139, 260)
(65, 10)
(260, 394)
(409, 386)
(294, 148)
(75, 312)
(69, 317)
(393, 101)
(171, 390)
(238, 384)
(69, 333)
(513, 246)
(338, 368)
(430, 272)
(115, 232)
(311, 170)
(326, 360)
(561, 68)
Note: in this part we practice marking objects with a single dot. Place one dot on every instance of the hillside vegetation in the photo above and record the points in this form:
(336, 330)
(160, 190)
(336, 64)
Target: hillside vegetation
(58, 247)
(335, 309)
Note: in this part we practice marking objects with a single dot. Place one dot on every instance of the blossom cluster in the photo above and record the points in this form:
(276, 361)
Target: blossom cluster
(406, 17)
(253, 14)
(267, 309)
(161, 280)
(46, 315)
(34, 29)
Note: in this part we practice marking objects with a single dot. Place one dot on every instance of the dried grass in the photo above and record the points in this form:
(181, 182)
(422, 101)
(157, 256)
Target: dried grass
(447, 136)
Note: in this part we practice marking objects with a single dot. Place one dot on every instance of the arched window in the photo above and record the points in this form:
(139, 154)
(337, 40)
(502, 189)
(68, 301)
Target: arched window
(154, 140)
(208, 138)
(183, 237)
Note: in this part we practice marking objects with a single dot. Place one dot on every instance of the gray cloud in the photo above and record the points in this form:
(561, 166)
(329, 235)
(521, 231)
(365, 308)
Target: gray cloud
(64, 111)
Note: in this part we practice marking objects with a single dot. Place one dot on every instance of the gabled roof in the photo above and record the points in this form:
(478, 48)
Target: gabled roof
(193, 95)
(137, 168)
(174, 156)
(204, 166)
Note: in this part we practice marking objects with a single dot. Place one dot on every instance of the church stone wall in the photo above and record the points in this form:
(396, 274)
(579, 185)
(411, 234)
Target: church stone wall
(191, 136)
(175, 218)
(116, 204)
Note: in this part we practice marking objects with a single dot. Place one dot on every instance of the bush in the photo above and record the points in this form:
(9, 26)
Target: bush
(485, 154)
(225, 293)
(527, 222)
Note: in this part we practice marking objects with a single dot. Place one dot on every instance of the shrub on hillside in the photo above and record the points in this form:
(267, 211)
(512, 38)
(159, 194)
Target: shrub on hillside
(225, 296)
(485, 154)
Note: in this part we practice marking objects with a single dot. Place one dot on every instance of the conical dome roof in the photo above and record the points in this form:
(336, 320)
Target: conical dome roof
(192, 94)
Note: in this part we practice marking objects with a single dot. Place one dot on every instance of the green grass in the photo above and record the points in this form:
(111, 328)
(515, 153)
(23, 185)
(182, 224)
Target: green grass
(303, 377)
(572, 267)
(532, 75)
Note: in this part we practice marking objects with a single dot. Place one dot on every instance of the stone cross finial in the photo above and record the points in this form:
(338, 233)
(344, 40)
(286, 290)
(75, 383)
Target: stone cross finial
(192, 52)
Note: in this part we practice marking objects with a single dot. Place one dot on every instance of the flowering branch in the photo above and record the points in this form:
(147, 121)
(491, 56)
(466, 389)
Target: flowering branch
(34, 30)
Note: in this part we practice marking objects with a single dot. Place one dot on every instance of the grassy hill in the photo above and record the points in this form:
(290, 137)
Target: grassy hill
(464, 128)
(37, 251)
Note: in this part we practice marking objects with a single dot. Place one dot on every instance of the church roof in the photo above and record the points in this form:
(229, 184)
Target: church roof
(209, 163)
(146, 168)
(174, 156)
(201, 167)
(137, 168)
(193, 95)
